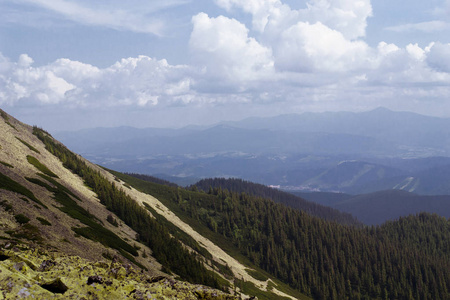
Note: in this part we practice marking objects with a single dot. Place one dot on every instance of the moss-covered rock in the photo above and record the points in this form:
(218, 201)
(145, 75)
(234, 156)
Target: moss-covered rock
(37, 274)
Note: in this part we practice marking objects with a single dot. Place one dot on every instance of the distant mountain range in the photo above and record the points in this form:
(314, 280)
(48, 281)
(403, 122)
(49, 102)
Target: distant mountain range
(340, 151)
(379, 207)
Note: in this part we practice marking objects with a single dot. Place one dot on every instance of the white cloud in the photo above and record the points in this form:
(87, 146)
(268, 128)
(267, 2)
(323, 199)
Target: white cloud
(315, 47)
(346, 16)
(438, 57)
(25, 61)
(223, 46)
(321, 37)
(133, 15)
(134, 81)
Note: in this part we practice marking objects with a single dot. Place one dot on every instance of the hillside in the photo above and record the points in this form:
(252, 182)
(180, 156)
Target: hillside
(259, 190)
(332, 261)
(54, 200)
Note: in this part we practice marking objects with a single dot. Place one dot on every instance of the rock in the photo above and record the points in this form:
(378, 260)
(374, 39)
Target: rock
(94, 279)
(61, 276)
(20, 267)
(56, 286)
(23, 293)
(46, 265)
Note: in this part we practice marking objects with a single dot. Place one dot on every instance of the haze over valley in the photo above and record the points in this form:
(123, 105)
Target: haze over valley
(333, 152)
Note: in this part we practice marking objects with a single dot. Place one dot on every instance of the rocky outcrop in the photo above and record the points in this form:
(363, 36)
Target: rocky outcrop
(27, 273)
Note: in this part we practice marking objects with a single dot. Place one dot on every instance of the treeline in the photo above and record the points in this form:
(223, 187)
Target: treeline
(259, 190)
(167, 250)
(152, 179)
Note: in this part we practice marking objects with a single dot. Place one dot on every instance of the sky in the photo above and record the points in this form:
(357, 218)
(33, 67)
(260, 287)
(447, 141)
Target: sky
(67, 65)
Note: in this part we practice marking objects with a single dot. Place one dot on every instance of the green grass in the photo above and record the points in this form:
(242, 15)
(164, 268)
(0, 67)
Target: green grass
(41, 167)
(257, 275)
(28, 145)
(58, 185)
(40, 183)
(165, 194)
(178, 233)
(107, 238)
(44, 221)
(7, 183)
(27, 232)
(4, 115)
(249, 288)
(6, 164)
(14, 127)
(94, 231)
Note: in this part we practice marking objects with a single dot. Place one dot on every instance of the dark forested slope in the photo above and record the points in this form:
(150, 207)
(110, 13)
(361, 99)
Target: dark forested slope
(258, 190)
(320, 258)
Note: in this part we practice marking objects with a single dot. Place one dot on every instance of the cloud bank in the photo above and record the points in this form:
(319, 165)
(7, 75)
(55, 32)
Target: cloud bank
(311, 58)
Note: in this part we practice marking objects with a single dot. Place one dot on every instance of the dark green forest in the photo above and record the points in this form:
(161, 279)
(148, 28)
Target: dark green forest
(406, 259)
(259, 190)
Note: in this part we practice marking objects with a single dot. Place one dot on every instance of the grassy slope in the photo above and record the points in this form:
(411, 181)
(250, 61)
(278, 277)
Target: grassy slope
(61, 210)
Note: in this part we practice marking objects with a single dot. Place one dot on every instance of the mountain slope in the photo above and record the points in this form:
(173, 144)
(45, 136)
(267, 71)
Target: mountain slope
(322, 259)
(245, 244)
(38, 186)
(258, 190)
(60, 201)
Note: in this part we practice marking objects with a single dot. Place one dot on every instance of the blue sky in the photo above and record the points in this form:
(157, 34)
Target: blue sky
(168, 63)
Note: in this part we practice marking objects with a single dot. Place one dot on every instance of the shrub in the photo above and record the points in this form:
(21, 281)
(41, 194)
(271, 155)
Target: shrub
(22, 219)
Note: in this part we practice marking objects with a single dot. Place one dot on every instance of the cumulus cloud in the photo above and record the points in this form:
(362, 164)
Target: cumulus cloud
(346, 16)
(315, 47)
(223, 46)
(438, 57)
(138, 81)
(323, 36)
